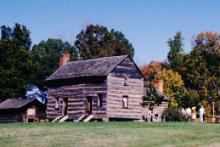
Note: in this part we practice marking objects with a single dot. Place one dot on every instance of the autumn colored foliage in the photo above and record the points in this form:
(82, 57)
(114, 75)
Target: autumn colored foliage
(190, 79)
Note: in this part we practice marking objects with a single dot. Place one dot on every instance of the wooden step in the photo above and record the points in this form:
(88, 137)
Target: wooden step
(57, 118)
(64, 118)
(88, 118)
(81, 118)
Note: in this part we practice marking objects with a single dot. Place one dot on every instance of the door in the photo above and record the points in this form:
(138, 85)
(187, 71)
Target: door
(65, 106)
(89, 105)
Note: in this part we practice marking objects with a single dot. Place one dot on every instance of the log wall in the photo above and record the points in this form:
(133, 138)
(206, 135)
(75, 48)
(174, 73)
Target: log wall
(117, 89)
(76, 95)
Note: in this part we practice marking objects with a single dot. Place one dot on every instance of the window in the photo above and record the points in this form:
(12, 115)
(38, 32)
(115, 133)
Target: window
(31, 111)
(126, 81)
(57, 105)
(99, 100)
(125, 101)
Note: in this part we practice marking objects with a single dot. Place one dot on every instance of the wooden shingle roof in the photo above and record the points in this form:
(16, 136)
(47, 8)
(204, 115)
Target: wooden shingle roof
(87, 68)
(15, 103)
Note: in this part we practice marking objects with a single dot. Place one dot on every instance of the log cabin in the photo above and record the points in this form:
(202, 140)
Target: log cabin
(102, 88)
(18, 110)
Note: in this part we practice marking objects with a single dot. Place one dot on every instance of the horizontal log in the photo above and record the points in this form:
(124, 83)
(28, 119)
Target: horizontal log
(73, 100)
(97, 109)
(115, 79)
(75, 112)
(122, 115)
(118, 94)
(123, 110)
(119, 103)
(120, 82)
(126, 88)
(53, 114)
(99, 114)
(76, 108)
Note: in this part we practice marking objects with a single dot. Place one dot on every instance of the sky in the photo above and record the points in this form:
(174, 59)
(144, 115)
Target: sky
(147, 24)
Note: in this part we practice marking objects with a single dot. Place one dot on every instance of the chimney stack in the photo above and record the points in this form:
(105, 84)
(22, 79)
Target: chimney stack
(64, 58)
(158, 84)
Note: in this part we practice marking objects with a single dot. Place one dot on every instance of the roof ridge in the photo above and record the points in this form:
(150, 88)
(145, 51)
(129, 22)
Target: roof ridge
(97, 58)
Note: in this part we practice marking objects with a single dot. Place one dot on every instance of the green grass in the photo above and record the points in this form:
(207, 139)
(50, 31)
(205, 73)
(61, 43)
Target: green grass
(118, 134)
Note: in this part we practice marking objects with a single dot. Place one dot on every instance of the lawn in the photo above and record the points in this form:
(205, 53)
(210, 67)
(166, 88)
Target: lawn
(119, 134)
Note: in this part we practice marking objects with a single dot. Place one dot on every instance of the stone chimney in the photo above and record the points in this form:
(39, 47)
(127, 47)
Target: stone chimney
(64, 58)
(158, 84)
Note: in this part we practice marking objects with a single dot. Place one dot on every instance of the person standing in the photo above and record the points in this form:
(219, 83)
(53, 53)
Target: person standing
(183, 111)
(151, 114)
(202, 114)
(193, 114)
(189, 114)
(143, 113)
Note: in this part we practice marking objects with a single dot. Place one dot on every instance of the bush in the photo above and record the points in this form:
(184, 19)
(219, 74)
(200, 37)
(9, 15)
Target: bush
(171, 114)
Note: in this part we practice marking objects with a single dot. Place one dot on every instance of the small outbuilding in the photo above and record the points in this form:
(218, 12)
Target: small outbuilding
(156, 112)
(15, 110)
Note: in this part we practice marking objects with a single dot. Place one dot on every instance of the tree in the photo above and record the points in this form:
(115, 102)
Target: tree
(19, 33)
(22, 35)
(175, 55)
(152, 97)
(98, 41)
(194, 79)
(6, 33)
(152, 69)
(173, 87)
(204, 60)
(15, 65)
(46, 58)
(201, 69)
(208, 44)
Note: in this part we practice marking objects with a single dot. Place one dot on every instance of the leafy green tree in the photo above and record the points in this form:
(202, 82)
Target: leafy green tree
(201, 70)
(15, 63)
(193, 73)
(6, 32)
(175, 55)
(19, 33)
(46, 58)
(98, 41)
(208, 45)
(22, 35)
(191, 99)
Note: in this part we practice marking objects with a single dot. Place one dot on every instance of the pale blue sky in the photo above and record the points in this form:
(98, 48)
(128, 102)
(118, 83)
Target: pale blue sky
(146, 23)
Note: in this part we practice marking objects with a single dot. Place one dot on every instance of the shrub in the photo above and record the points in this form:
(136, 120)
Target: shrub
(171, 114)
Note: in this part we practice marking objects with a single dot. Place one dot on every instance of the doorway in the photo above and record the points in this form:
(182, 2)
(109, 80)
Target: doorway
(89, 105)
(65, 106)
